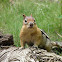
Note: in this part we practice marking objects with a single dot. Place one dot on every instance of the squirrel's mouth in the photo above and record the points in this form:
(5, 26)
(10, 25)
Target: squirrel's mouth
(30, 26)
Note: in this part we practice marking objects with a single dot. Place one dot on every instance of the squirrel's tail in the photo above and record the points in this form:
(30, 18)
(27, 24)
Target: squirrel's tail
(55, 44)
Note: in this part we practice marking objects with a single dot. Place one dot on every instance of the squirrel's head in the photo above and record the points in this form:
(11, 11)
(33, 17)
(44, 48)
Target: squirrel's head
(29, 21)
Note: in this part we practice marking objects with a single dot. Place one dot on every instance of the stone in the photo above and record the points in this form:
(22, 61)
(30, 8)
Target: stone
(15, 54)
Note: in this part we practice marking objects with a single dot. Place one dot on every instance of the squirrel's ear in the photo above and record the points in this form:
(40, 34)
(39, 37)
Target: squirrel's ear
(24, 16)
(31, 15)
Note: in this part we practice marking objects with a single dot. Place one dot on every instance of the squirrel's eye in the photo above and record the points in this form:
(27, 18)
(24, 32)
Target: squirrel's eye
(25, 20)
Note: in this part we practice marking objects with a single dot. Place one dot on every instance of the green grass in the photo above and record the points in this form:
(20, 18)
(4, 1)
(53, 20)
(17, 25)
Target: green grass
(45, 13)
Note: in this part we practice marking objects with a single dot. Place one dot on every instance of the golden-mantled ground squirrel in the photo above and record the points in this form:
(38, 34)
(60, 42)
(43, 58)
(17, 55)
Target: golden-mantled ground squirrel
(31, 35)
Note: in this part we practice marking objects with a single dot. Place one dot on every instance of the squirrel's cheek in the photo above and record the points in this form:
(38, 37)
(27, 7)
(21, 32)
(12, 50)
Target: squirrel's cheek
(28, 25)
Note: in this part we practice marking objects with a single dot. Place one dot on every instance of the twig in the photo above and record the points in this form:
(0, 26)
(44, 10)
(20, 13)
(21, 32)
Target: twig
(59, 35)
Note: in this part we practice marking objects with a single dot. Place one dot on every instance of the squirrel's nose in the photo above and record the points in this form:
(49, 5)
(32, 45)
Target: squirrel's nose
(31, 24)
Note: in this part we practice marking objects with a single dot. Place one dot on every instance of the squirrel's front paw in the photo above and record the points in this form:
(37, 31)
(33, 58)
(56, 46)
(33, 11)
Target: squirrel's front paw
(21, 48)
